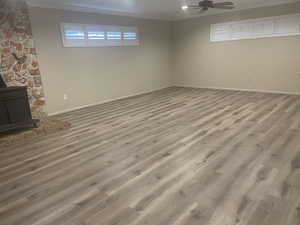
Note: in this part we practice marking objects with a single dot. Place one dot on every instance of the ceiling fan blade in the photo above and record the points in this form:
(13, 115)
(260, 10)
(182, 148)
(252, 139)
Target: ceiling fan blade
(193, 7)
(224, 3)
(217, 6)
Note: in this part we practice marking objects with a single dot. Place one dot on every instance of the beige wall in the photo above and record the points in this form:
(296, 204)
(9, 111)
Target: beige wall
(271, 64)
(91, 75)
(177, 53)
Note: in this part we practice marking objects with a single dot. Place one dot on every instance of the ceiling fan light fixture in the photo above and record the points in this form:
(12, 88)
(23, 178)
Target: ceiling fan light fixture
(204, 5)
(184, 7)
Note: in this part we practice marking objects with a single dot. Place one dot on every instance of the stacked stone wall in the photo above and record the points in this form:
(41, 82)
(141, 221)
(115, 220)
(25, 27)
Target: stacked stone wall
(18, 58)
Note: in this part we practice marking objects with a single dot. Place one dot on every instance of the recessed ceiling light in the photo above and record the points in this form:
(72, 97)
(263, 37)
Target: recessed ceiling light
(184, 7)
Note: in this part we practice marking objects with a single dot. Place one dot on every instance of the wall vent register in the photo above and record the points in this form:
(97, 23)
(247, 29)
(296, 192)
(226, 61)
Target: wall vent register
(287, 25)
(83, 35)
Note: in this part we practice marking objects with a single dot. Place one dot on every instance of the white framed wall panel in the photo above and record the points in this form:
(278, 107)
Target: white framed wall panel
(262, 28)
(241, 30)
(286, 25)
(220, 32)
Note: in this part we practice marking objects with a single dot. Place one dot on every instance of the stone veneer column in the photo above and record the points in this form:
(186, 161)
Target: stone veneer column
(16, 39)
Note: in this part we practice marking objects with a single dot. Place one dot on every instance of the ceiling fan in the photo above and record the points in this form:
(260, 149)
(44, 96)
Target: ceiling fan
(206, 4)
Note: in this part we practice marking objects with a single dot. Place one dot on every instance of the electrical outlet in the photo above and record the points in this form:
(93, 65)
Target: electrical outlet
(66, 97)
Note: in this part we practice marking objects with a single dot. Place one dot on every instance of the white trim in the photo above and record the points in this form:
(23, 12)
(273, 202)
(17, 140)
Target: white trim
(239, 89)
(106, 101)
(186, 86)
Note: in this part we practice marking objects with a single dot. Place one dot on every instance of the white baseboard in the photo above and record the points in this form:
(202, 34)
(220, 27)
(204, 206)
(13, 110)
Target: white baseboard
(237, 89)
(105, 101)
(187, 86)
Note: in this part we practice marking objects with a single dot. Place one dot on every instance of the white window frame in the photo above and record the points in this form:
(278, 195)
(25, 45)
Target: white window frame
(72, 43)
(99, 42)
(278, 26)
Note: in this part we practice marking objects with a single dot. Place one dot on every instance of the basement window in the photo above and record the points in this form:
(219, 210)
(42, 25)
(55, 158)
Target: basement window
(113, 35)
(278, 26)
(96, 35)
(74, 35)
(85, 35)
(129, 36)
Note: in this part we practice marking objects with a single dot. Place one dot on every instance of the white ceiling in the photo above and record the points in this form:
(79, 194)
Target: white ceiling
(157, 9)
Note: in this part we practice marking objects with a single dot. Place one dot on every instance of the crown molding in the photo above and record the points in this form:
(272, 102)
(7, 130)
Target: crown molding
(90, 9)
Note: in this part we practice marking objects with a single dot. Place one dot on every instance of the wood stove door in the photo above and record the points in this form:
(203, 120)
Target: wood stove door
(3, 114)
(18, 110)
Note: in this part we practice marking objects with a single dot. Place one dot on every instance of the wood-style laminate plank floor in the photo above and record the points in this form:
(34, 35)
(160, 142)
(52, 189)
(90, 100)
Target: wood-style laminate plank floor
(178, 156)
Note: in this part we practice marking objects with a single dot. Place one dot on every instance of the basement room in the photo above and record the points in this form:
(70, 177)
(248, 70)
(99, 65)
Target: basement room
(149, 112)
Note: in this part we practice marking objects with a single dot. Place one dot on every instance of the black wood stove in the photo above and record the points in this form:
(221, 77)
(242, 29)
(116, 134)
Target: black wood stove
(14, 108)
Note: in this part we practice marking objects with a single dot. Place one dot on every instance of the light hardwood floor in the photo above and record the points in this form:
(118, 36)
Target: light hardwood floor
(178, 156)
